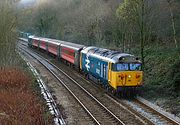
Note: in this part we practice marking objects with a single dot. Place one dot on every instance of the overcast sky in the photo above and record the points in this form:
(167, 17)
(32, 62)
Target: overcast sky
(27, 3)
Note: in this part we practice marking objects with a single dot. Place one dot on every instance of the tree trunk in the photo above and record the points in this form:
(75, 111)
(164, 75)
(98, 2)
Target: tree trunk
(173, 23)
(142, 33)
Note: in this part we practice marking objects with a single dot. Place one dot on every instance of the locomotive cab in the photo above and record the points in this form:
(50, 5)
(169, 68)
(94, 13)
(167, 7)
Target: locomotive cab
(30, 40)
(125, 74)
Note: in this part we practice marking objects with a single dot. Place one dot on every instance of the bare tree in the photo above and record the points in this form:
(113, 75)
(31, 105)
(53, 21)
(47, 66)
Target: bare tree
(133, 14)
(7, 33)
(172, 21)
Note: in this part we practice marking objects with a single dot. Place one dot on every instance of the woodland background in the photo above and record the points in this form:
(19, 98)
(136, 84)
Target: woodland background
(149, 29)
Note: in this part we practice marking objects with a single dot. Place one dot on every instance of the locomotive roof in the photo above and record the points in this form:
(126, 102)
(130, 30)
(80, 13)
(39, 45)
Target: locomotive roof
(36, 38)
(108, 55)
(31, 36)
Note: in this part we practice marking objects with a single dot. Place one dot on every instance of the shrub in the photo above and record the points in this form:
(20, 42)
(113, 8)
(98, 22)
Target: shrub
(174, 76)
(12, 77)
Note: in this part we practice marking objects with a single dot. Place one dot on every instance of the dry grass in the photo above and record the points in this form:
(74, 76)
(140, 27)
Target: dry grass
(19, 104)
(12, 78)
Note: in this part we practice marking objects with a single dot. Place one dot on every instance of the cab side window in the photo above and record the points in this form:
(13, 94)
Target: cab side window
(114, 67)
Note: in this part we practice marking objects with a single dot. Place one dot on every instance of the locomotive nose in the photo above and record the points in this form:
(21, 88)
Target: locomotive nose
(129, 78)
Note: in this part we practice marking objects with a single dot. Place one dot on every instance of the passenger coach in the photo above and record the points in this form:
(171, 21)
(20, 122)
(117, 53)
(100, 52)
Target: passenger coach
(53, 47)
(71, 53)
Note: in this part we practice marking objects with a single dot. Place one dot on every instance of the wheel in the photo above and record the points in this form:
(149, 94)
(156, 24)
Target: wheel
(107, 88)
(114, 92)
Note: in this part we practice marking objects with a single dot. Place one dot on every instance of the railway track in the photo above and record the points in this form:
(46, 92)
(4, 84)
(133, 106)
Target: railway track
(138, 108)
(99, 113)
(141, 107)
(155, 115)
(50, 102)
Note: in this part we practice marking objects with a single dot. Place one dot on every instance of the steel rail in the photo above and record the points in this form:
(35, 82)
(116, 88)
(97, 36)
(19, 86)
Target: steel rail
(47, 96)
(166, 117)
(94, 119)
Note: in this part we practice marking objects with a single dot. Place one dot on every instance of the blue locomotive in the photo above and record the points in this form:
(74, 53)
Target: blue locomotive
(116, 71)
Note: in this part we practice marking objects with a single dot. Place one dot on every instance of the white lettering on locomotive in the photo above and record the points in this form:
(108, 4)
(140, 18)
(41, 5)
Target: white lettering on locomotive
(87, 62)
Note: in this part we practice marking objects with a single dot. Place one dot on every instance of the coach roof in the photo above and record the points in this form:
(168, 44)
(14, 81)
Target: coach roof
(73, 46)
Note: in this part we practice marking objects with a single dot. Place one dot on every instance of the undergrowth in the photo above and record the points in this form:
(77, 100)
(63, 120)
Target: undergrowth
(20, 104)
(162, 72)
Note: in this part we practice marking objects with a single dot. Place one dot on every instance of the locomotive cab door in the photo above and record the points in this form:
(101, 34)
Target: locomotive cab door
(109, 72)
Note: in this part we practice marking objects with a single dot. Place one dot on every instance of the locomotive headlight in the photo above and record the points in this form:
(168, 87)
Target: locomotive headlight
(129, 76)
